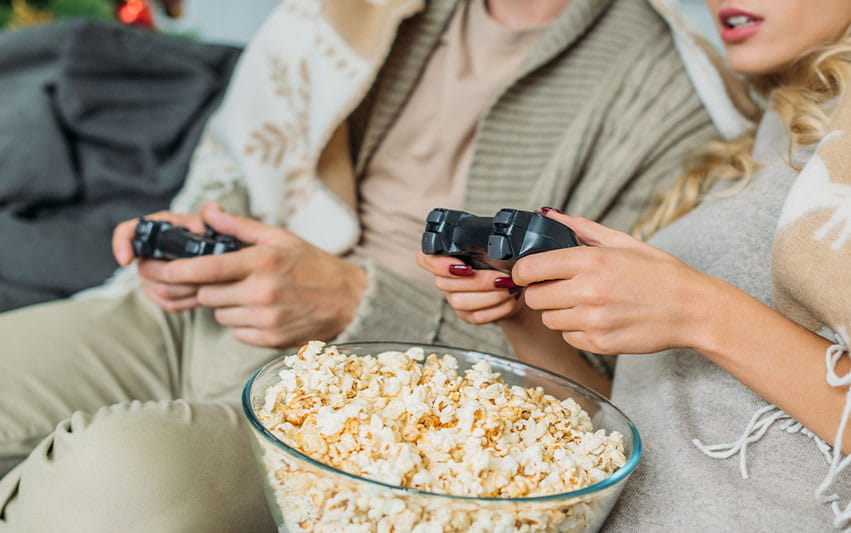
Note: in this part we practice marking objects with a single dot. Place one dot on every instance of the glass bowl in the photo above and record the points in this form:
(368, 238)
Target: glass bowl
(307, 495)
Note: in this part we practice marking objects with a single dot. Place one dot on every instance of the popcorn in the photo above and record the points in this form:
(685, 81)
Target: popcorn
(410, 420)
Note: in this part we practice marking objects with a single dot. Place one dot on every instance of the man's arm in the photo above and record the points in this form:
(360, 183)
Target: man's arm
(393, 308)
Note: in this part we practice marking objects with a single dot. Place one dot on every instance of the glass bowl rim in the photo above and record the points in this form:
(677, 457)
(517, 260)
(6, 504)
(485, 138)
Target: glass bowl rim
(619, 475)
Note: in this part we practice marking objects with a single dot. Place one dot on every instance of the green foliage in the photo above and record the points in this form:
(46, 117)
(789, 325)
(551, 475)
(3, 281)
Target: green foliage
(102, 9)
(36, 4)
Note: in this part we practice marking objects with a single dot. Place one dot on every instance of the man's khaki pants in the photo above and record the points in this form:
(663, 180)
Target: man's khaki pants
(116, 416)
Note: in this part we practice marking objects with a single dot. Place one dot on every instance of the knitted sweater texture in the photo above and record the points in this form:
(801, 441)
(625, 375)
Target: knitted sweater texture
(597, 122)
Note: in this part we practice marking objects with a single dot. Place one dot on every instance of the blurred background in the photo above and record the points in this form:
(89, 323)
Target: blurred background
(696, 13)
(217, 21)
(220, 21)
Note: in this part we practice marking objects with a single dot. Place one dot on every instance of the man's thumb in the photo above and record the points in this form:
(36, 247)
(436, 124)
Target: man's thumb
(244, 229)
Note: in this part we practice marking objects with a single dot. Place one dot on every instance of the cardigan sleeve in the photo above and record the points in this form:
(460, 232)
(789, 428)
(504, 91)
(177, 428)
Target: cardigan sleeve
(394, 309)
(652, 125)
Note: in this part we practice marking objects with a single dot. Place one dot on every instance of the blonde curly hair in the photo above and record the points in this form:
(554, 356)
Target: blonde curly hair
(800, 94)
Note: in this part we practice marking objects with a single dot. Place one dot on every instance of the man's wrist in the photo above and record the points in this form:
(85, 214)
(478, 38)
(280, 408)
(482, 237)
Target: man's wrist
(355, 285)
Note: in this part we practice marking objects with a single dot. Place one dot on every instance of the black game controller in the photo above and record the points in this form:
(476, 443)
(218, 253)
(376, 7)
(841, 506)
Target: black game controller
(158, 239)
(459, 234)
(519, 233)
(493, 243)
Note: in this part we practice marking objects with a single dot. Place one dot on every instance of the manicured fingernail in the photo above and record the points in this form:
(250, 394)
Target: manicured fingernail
(546, 210)
(461, 270)
(504, 283)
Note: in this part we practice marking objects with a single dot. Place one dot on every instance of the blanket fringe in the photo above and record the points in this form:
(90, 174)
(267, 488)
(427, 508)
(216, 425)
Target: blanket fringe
(837, 462)
(761, 421)
(767, 416)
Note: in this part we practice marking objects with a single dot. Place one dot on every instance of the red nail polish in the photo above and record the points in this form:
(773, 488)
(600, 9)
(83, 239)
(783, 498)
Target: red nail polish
(546, 210)
(461, 270)
(504, 283)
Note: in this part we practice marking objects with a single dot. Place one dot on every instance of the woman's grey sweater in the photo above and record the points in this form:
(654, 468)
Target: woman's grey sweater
(677, 396)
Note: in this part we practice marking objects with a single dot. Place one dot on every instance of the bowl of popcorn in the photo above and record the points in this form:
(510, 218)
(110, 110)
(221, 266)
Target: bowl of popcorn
(389, 437)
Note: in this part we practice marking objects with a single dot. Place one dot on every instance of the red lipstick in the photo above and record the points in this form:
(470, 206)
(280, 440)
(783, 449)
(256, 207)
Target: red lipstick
(738, 25)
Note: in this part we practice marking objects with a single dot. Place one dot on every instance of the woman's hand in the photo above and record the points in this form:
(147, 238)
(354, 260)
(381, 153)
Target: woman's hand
(484, 296)
(477, 296)
(617, 295)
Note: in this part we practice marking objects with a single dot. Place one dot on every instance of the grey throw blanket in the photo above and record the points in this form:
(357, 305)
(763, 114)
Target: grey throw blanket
(97, 125)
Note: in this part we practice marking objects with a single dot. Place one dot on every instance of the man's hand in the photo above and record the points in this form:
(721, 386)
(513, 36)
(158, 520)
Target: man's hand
(279, 291)
(170, 296)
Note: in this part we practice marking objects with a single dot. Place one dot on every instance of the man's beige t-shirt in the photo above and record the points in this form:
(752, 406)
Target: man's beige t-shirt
(423, 161)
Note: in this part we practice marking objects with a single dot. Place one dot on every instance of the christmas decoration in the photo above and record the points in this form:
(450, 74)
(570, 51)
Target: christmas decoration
(20, 13)
(136, 12)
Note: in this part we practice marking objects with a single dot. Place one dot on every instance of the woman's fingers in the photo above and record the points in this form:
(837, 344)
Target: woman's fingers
(472, 301)
(491, 314)
(479, 281)
(555, 265)
(592, 233)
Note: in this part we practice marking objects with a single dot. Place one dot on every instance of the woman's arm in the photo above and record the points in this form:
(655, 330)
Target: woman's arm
(775, 357)
(623, 296)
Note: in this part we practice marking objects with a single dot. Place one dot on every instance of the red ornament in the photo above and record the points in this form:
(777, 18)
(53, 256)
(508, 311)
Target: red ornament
(136, 12)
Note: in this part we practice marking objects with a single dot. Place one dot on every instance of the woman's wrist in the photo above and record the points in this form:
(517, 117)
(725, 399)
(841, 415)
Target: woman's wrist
(772, 355)
(729, 323)
(711, 310)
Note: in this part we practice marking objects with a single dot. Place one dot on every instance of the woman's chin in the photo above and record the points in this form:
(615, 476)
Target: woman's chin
(753, 63)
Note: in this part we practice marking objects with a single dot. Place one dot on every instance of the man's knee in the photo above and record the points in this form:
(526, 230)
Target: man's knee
(155, 466)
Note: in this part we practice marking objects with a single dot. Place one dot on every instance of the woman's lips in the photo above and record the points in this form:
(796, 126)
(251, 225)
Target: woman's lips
(738, 25)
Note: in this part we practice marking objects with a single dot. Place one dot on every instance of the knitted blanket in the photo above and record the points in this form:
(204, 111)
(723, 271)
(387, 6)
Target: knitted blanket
(277, 142)
(277, 147)
(811, 265)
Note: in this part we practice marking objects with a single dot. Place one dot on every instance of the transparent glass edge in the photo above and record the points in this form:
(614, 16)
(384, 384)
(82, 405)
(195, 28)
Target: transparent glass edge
(621, 474)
